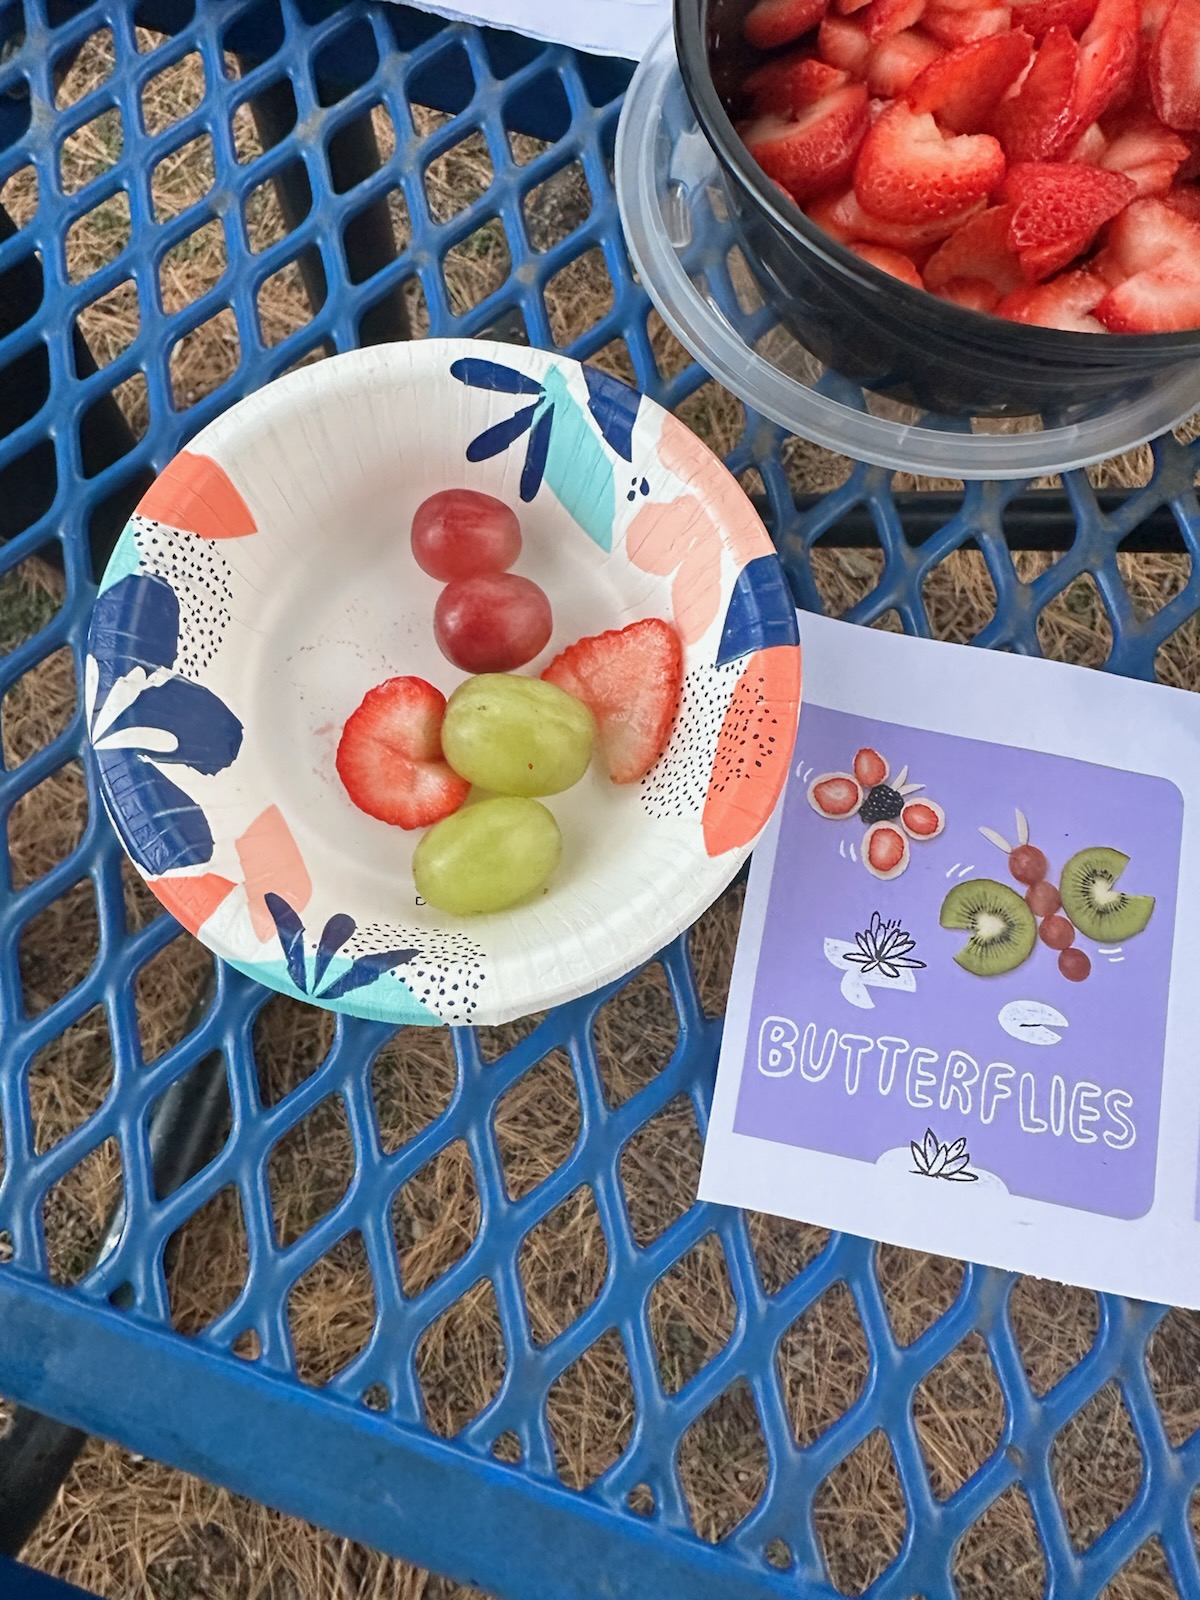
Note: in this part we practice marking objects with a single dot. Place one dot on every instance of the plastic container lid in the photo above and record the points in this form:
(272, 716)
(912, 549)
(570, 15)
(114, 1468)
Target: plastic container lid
(686, 251)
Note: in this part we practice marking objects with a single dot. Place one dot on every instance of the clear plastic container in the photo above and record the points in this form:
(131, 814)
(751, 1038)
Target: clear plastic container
(678, 224)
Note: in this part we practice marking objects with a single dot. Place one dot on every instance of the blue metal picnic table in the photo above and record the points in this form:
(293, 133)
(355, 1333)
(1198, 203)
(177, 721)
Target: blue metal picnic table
(357, 1453)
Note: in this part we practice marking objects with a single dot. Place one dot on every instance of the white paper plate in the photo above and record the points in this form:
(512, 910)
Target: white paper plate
(266, 582)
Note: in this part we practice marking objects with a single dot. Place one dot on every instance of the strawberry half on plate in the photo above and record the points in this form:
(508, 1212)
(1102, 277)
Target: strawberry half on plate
(390, 756)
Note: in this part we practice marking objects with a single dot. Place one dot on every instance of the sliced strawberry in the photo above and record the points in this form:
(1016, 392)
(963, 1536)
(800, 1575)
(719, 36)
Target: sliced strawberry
(884, 18)
(790, 83)
(845, 45)
(974, 294)
(1146, 152)
(1041, 261)
(843, 217)
(1184, 198)
(818, 148)
(1166, 301)
(1108, 53)
(1066, 303)
(1150, 234)
(1090, 147)
(909, 171)
(963, 88)
(978, 251)
(1054, 200)
(631, 682)
(1174, 66)
(771, 23)
(897, 61)
(1039, 16)
(953, 25)
(1038, 122)
(848, 7)
(390, 756)
(893, 262)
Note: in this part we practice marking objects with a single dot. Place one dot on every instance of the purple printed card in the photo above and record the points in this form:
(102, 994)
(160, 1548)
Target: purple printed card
(964, 1016)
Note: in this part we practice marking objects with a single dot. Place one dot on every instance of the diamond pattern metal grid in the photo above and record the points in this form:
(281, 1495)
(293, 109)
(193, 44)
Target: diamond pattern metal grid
(510, 1453)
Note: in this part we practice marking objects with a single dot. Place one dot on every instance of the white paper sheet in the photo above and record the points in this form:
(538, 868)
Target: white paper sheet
(869, 1081)
(607, 27)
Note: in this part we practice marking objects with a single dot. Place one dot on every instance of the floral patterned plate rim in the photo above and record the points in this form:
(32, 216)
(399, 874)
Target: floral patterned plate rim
(265, 583)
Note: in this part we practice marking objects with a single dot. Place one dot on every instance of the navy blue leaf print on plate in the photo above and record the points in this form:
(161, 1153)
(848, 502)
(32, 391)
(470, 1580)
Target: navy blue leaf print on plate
(614, 405)
(134, 624)
(134, 634)
(535, 455)
(333, 936)
(160, 826)
(761, 611)
(365, 970)
(479, 374)
(291, 938)
(501, 434)
(208, 735)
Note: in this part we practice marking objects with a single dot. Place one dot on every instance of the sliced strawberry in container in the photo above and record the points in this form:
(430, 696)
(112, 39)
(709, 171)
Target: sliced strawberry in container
(898, 61)
(1039, 16)
(1041, 261)
(1067, 303)
(1174, 66)
(1038, 122)
(843, 217)
(964, 87)
(909, 171)
(1150, 234)
(786, 86)
(973, 294)
(1145, 151)
(390, 758)
(1108, 53)
(883, 18)
(844, 44)
(1090, 147)
(893, 262)
(978, 250)
(815, 150)
(1167, 301)
(1058, 207)
(1184, 198)
(954, 26)
(771, 23)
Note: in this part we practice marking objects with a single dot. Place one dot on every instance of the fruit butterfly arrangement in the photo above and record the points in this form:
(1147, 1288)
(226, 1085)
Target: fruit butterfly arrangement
(473, 770)
(1006, 926)
(1030, 158)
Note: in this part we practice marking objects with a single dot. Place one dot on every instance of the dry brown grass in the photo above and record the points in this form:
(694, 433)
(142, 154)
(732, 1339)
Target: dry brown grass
(125, 1526)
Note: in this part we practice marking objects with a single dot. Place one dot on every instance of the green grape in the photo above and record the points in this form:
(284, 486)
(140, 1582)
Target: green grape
(487, 856)
(517, 736)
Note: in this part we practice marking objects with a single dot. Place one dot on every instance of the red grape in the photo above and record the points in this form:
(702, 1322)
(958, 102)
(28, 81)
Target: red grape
(1027, 864)
(459, 532)
(1043, 899)
(1074, 965)
(1057, 932)
(493, 622)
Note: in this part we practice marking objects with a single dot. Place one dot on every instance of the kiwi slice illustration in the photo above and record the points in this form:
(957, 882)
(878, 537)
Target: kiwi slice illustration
(1003, 929)
(1092, 900)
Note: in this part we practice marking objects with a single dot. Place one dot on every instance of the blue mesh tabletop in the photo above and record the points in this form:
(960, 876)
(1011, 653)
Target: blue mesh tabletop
(501, 1488)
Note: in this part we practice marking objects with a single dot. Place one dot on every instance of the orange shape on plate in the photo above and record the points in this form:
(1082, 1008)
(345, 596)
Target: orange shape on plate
(754, 749)
(194, 493)
(191, 901)
(272, 864)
